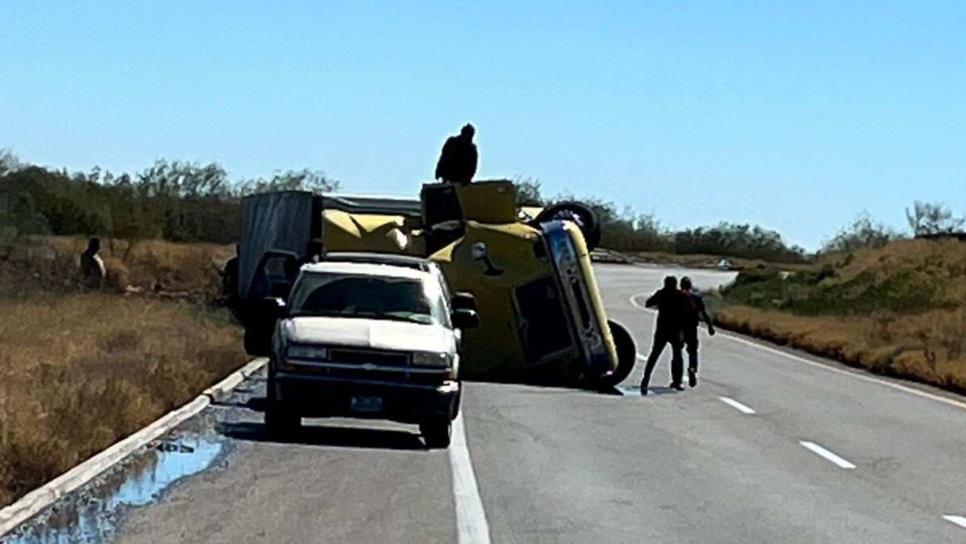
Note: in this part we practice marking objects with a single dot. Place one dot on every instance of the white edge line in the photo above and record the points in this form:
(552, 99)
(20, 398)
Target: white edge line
(32, 503)
(958, 520)
(827, 455)
(471, 525)
(737, 405)
(858, 374)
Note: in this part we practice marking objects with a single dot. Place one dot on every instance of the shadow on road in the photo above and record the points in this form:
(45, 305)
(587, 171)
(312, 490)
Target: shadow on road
(635, 391)
(322, 435)
(255, 404)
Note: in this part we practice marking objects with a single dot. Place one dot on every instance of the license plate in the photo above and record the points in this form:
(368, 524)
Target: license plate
(366, 405)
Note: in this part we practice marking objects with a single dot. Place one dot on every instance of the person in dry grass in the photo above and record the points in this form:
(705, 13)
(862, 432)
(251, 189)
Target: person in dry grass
(229, 279)
(696, 311)
(459, 158)
(92, 267)
(672, 306)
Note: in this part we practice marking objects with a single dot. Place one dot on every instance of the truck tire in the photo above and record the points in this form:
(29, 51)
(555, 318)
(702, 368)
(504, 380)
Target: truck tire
(579, 213)
(437, 433)
(626, 355)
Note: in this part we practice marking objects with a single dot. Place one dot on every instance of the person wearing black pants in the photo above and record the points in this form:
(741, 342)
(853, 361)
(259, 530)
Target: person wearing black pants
(696, 311)
(672, 306)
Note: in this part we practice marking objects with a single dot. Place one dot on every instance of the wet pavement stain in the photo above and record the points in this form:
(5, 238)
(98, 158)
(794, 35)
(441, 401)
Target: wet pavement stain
(93, 513)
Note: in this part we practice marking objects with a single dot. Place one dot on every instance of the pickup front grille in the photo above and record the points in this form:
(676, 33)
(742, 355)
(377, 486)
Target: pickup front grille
(362, 356)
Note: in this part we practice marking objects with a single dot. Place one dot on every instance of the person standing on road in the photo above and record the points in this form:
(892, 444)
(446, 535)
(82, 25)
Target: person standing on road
(696, 311)
(671, 307)
(458, 160)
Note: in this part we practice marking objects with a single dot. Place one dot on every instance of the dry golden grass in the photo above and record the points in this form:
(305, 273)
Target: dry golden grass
(50, 263)
(939, 261)
(928, 347)
(80, 371)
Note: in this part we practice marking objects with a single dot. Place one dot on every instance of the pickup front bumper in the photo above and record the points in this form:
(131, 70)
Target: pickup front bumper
(323, 396)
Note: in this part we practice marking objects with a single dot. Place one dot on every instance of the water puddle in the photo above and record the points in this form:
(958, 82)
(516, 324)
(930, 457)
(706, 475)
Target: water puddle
(92, 514)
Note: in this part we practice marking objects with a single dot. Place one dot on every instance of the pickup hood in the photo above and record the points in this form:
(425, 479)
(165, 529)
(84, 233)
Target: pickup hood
(369, 333)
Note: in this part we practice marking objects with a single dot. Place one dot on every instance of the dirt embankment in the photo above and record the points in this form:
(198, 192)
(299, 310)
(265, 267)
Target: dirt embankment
(899, 310)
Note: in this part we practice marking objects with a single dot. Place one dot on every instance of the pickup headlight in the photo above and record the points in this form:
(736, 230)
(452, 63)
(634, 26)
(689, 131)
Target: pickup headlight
(440, 360)
(307, 352)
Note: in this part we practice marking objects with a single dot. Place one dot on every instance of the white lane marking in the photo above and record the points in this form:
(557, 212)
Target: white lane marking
(737, 405)
(958, 520)
(641, 357)
(829, 456)
(471, 526)
(857, 374)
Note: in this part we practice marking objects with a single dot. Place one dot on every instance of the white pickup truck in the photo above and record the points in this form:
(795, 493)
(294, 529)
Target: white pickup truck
(367, 340)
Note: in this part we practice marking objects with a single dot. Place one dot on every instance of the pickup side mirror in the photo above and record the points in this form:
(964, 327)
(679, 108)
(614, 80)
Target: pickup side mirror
(260, 325)
(273, 307)
(464, 318)
(463, 301)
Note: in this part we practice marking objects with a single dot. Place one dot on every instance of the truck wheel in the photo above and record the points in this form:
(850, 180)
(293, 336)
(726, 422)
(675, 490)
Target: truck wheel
(579, 213)
(626, 355)
(437, 433)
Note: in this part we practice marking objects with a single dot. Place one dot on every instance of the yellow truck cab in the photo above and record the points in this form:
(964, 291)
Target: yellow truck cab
(541, 316)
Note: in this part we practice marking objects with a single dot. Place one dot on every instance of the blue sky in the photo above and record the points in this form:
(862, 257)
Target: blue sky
(794, 115)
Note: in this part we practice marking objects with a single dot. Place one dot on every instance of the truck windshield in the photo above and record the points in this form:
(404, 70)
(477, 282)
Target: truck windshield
(367, 297)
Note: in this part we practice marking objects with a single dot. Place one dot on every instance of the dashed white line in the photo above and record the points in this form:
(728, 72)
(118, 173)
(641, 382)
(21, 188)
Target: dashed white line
(958, 520)
(827, 455)
(737, 405)
(471, 525)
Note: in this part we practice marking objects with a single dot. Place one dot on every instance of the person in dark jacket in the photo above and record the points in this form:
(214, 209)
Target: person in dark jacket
(696, 311)
(672, 306)
(92, 269)
(458, 160)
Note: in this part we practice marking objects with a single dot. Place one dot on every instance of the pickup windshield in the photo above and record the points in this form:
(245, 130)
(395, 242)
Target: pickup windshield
(367, 297)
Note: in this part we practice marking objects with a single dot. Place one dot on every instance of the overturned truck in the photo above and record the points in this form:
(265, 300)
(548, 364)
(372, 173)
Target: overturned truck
(542, 319)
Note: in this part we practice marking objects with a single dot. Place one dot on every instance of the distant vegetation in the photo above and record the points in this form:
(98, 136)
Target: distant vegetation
(176, 201)
(898, 309)
(187, 202)
(630, 231)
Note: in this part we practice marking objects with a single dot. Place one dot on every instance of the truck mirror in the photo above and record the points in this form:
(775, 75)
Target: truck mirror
(465, 319)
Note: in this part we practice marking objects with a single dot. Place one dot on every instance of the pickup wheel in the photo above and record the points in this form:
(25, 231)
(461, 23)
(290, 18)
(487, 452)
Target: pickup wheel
(626, 355)
(279, 420)
(436, 433)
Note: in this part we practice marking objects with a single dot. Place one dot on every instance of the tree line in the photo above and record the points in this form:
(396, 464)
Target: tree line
(627, 230)
(190, 202)
(174, 200)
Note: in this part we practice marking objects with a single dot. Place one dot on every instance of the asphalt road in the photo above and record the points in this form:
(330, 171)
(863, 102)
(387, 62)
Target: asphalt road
(771, 447)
